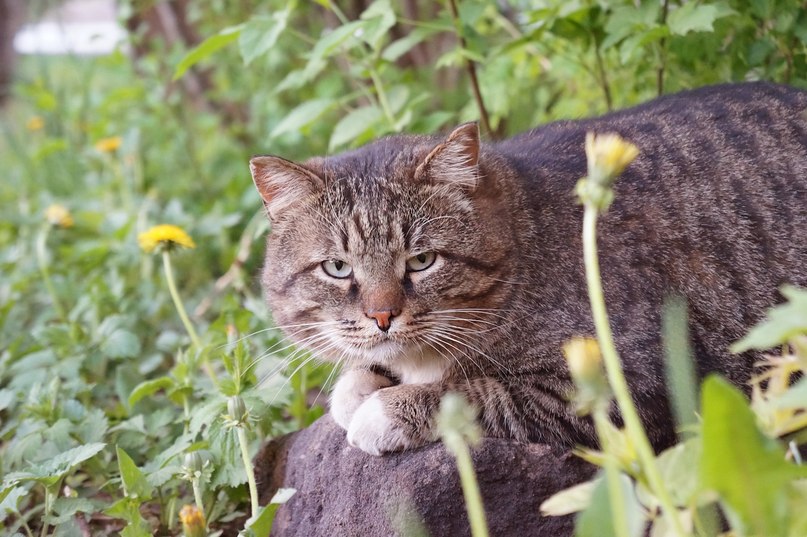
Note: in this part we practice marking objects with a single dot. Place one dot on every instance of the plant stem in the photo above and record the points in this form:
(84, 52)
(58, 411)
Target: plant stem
(382, 98)
(471, 67)
(602, 75)
(183, 315)
(253, 487)
(197, 495)
(470, 488)
(665, 7)
(46, 512)
(42, 261)
(616, 499)
(616, 378)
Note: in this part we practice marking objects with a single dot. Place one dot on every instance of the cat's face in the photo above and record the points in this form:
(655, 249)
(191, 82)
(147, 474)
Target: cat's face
(385, 251)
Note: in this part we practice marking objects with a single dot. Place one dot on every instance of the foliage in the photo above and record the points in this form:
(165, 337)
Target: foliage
(103, 390)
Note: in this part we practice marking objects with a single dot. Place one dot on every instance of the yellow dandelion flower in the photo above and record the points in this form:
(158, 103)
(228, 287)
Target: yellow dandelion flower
(193, 521)
(608, 155)
(164, 236)
(108, 145)
(36, 123)
(58, 216)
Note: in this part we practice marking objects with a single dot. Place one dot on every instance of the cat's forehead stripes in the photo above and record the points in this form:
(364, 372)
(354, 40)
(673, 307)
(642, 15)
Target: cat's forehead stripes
(375, 225)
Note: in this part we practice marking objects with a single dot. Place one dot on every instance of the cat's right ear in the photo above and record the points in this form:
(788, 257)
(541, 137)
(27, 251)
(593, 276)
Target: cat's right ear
(282, 183)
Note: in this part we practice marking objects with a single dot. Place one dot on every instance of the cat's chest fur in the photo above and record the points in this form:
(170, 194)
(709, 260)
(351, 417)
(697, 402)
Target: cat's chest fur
(421, 365)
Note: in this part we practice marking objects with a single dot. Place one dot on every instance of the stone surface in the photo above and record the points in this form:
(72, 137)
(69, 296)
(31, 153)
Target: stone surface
(342, 491)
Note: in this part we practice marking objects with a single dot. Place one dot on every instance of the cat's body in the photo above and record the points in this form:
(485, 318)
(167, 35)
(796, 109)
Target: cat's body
(714, 209)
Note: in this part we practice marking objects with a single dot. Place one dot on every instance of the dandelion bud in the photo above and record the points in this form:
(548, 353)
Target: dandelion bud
(193, 463)
(457, 417)
(193, 521)
(237, 410)
(608, 155)
(585, 365)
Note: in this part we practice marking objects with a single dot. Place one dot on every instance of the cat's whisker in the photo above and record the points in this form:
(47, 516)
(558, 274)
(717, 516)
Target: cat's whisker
(458, 335)
(306, 342)
(306, 361)
(453, 342)
(278, 327)
(442, 351)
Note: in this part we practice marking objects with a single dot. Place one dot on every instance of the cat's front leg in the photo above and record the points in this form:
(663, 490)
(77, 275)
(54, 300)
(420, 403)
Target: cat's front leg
(396, 418)
(351, 390)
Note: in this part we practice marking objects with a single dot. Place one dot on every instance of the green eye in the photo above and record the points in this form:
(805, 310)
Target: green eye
(419, 262)
(337, 269)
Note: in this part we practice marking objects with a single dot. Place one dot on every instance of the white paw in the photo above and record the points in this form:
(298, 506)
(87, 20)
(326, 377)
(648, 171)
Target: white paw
(372, 430)
(351, 390)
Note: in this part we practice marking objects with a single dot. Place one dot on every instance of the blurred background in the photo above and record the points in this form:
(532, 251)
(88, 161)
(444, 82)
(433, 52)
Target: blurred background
(118, 115)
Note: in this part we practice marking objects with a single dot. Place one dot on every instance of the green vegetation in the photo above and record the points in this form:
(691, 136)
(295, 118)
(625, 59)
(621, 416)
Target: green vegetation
(106, 391)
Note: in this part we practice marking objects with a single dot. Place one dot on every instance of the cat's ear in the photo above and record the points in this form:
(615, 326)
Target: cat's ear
(282, 183)
(455, 161)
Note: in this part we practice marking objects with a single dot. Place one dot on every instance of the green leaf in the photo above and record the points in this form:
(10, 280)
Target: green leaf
(66, 508)
(597, 521)
(62, 463)
(260, 34)
(302, 116)
(150, 387)
(380, 17)
(570, 500)
(746, 468)
(135, 484)
(262, 523)
(678, 466)
(206, 48)
(128, 509)
(121, 344)
(783, 323)
(398, 48)
(353, 125)
(694, 17)
(10, 498)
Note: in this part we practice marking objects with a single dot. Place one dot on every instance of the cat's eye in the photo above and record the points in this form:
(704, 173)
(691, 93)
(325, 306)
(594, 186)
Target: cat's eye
(336, 268)
(419, 262)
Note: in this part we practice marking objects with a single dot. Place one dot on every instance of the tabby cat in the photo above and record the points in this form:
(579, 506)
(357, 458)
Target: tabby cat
(428, 264)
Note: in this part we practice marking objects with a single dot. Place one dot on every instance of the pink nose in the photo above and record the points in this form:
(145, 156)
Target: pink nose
(383, 318)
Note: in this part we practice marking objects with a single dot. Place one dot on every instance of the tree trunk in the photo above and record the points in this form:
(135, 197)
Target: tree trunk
(11, 17)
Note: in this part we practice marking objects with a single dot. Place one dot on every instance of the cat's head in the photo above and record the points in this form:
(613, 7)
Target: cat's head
(400, 246)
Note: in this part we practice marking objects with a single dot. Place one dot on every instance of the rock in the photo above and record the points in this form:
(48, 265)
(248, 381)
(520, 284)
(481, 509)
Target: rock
(342, 491)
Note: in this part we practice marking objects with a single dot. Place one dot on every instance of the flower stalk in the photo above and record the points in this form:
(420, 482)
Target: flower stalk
(238, 418)
(163, 239)
(608, 156)
(593, 396)
(44, 270)
(457, 425)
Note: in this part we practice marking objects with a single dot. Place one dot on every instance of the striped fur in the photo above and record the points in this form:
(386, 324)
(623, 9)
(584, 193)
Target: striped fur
(713, 209)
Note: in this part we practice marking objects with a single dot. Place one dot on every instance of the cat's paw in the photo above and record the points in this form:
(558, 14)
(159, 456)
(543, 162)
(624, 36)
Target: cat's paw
(351, 390)
(373, 430)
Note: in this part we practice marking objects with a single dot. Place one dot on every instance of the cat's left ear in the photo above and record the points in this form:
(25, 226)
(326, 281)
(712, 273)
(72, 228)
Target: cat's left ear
(282, 183)
(455, 161)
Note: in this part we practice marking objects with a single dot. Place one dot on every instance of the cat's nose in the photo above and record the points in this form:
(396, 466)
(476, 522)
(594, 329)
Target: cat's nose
(383, 318)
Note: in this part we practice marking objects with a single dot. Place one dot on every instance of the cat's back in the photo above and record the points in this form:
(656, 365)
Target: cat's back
(751, 120)
(714, 208)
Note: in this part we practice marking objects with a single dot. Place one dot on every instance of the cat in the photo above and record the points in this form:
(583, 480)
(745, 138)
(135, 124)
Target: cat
(428, 264)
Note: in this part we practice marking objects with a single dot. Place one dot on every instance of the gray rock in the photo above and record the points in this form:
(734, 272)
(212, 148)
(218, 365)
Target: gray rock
(342, 491)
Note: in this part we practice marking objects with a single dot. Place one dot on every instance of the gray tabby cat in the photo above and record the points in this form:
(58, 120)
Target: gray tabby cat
(430, 264)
